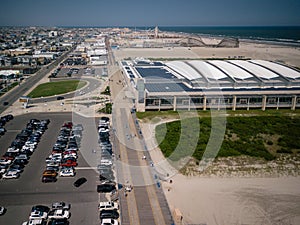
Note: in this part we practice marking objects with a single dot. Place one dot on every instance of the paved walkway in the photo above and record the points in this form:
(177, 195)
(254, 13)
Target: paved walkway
(146, 203)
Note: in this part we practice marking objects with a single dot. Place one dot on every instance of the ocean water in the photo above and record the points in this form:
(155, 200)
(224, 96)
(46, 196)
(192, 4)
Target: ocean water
(283, 34)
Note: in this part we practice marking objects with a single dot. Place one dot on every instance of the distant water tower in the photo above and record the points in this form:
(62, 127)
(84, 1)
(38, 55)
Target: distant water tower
(156, 32)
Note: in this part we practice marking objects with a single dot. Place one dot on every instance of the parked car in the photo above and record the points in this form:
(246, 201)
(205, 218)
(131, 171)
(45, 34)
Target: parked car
(11, 175)
(2, 130)
(105, 188)
(40, 208)
(61, 205)
(38, 215)
(109, 214)
(69, 163)
(5, 161)
(108, 205)
(47, 179)
(55, 168)
(109, 222)
(59, 214)
(67, 172)
(50, 173)
(35, 222)
(58, 222)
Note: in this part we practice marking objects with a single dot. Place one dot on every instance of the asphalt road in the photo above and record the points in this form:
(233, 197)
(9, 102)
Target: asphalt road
(20, 90)
(19, 195)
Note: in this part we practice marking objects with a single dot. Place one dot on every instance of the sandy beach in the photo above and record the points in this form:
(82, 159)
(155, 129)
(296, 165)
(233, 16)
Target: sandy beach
(235, 200)
(284, 54)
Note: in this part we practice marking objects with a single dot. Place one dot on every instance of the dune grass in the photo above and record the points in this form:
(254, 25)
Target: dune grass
(258, 136)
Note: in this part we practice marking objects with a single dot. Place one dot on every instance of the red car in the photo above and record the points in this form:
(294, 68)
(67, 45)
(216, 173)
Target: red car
(68, 125)
(69, 163)
(8, 157)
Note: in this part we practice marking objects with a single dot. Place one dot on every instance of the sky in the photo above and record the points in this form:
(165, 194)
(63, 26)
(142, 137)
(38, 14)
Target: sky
(150, 13)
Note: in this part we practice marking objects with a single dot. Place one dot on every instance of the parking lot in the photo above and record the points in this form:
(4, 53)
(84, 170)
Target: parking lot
(19, 195)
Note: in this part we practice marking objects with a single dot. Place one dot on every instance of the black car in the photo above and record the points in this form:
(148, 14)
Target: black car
(58, 222)
(47, 179)
(2, 130)
(108, 178)
(80, 181)
(105, 188)
(5, 103)
(109, 214)
(60, 98)
(40, 208)
(17, 166)
(21, 162)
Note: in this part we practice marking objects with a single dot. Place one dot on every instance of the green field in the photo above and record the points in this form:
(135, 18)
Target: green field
(56, 88)
(257, 136)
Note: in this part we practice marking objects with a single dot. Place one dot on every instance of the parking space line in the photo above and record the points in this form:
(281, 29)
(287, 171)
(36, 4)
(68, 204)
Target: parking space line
(86, 168)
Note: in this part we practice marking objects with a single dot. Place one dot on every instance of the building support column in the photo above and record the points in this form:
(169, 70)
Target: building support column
(264, 103)
(189, 104)
(278, 99)
(248, 104)
(294, 101)
(159, 103)
(204, 103)
(175, 103)
(234, 103)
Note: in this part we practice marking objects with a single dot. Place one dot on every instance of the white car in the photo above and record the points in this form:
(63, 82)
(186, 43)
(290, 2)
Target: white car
(26, 147)
(59, 214)
(70, 156)
(38, 215)
(109, 222)
(34, 222)
(2, 171)
(61, 205)
(11, 175)
(55, 155)
(31, 144)
(67, 173)
(53, 164)
(55, 160)
(108, 205)
(13, 149)
(70, 153)
(22, 156)
(2, 210)
(106, 162)
(5, 161)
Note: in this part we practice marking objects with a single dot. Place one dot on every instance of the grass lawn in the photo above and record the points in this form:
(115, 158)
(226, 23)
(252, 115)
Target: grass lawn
(56, 88)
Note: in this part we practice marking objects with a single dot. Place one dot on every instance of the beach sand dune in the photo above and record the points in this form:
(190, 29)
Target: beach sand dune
(231, 200)
(235, 200)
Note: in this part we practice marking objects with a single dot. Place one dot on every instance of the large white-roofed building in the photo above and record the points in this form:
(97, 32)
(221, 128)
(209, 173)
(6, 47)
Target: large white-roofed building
(205, 84)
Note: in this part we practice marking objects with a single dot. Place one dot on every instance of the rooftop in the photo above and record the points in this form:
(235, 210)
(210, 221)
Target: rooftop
(197, 75)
